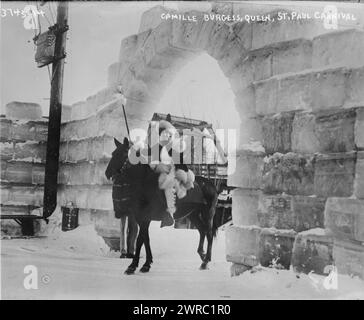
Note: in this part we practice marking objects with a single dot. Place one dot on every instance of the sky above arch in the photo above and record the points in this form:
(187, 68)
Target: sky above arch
(199, 90)
(93, 44)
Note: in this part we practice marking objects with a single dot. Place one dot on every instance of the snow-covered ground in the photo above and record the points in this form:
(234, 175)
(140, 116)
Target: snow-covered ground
(78, 265)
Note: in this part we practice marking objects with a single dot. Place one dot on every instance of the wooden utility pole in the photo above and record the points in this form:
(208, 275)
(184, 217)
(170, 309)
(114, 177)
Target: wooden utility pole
(55, 112)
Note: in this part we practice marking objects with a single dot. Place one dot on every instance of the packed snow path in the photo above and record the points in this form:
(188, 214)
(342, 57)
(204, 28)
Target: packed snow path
(77, 265)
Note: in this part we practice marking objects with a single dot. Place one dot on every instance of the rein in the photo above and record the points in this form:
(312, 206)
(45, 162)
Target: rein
(186, 215)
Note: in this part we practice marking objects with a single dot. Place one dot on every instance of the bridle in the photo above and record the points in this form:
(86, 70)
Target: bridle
(124, 167)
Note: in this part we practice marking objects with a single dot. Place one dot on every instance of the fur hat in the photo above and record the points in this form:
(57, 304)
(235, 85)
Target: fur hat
(165, 125)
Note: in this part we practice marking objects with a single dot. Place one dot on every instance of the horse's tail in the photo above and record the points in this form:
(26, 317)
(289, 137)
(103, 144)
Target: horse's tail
(214, 195)
(215, 226)
(215, 221)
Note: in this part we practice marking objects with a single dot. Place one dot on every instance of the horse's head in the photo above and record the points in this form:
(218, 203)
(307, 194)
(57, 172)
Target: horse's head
(119, 156)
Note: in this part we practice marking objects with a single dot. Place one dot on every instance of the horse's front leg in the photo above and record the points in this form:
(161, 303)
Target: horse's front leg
(132, 236)
(194, 217)
(132, 267)
(148, 250)
(207, 258)
(209, 235)
(122, 236)
(200, 249)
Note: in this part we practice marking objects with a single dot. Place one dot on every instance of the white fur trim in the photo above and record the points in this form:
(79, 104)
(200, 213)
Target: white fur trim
(171, 200)
(163, 168)
(181, 175)
(190, 176)
(189, 185)
(165, 157)
(166, 181)
(181, 192)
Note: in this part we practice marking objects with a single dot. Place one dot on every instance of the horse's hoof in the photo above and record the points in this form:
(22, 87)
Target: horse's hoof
(130, 270)
(202, 256)
(144, 269)
(129, 256)
(204, 266)
(123, 256)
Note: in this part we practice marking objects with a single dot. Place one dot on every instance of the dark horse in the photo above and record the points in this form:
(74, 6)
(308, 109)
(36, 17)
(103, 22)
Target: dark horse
(147, 203)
